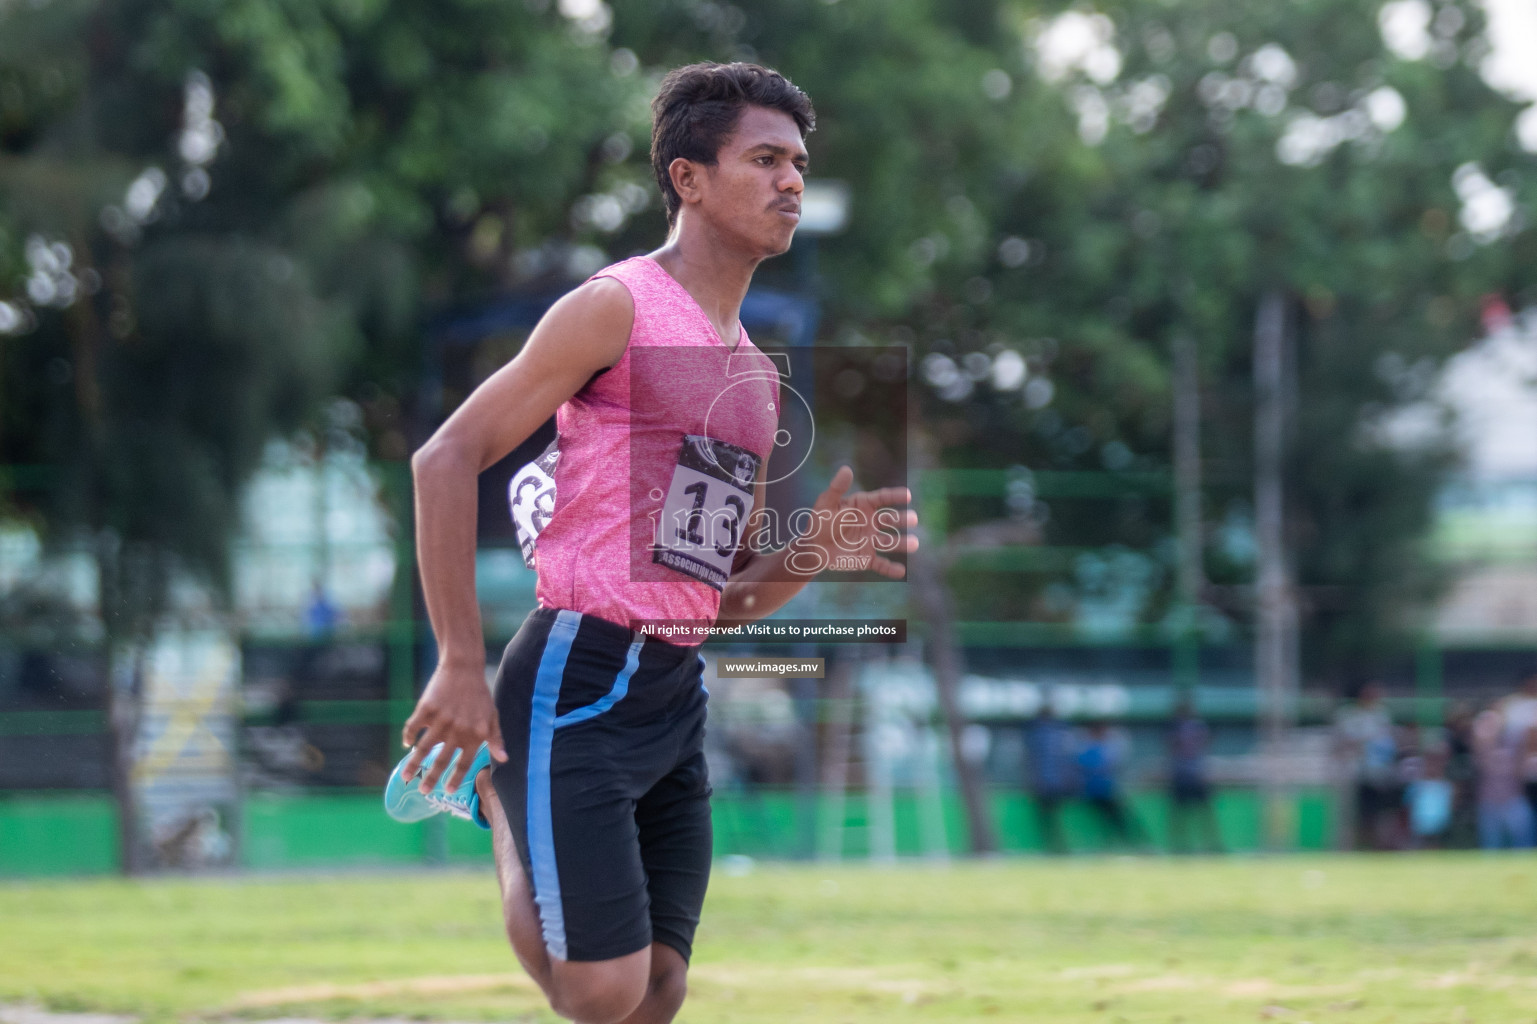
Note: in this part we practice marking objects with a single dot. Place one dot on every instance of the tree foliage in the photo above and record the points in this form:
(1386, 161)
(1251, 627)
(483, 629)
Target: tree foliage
(1081, 186)
(212, 217)
(260, 198)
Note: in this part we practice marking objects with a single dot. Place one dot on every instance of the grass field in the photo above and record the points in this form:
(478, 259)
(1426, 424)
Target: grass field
(1412, 939)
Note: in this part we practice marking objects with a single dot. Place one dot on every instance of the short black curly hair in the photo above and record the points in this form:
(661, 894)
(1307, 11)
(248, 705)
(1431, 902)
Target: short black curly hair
(697, 107)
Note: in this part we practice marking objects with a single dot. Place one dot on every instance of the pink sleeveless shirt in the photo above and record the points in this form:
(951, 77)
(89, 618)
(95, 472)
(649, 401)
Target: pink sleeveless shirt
(623, 482)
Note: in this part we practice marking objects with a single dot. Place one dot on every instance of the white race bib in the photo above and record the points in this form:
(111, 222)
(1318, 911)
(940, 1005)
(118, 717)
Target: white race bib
(706, 509)
(531, 494)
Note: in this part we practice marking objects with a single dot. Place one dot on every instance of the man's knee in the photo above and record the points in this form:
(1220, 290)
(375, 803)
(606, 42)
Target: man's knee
(608, 992)
(669, 983)
(600, 992)
(606, 1003)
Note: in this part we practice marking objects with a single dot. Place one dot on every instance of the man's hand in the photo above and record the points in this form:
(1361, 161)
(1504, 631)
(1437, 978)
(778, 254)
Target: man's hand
(859, 529)
(846, 532)
(455, 710)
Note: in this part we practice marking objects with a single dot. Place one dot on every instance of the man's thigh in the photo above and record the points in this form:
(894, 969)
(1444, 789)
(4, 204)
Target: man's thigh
(569, 801)
(605, 789)
(676, 839)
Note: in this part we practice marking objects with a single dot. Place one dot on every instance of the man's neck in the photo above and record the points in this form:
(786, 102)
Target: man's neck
(715, 275)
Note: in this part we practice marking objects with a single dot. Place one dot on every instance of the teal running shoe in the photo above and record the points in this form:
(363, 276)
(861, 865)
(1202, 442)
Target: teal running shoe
(405, 801)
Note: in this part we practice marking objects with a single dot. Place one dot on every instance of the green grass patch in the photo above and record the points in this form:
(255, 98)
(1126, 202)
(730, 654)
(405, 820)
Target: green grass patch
(1367, 940)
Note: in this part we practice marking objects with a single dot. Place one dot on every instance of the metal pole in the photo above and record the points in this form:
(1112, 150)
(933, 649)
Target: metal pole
(843, 684)
(1275, 648)
(1187, 510)
(1429, 685)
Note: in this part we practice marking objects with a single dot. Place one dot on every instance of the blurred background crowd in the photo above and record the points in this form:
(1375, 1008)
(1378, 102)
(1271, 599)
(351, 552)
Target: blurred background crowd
(1213, 323)
(1469, 782)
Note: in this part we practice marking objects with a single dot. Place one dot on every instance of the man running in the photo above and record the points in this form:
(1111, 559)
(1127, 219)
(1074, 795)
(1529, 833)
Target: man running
(597, 797)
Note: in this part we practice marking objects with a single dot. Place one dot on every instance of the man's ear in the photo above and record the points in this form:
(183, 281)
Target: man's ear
(686, 179)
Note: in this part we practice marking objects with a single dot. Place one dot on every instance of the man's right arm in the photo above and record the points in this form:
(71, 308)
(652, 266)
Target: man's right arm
(583, 333)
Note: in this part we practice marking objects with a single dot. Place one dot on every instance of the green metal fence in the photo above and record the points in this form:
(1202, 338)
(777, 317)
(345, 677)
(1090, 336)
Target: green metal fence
(76, 834)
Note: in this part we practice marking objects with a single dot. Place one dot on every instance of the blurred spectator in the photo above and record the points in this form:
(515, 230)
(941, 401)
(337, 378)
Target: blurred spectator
(1429, 797)
(1366, 746)
(1504, 816)
(1462, 772)
(1190, 805)
(1100, 760)
(321, 616)
(1049, 760)
(1519, 711)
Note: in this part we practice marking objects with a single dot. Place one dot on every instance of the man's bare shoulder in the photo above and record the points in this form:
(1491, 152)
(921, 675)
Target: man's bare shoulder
(603, 295)
(590, 323)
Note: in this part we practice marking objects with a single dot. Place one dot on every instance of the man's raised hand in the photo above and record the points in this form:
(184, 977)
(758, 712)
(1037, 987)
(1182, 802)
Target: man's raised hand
(858, 530)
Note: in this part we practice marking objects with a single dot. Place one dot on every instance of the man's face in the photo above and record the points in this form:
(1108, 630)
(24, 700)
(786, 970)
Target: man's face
(753, 193)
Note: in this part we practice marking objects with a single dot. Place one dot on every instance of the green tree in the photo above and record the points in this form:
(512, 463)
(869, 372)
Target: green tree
(1075, 190)
(1083, 189)
(213, 217)
(1246, 150)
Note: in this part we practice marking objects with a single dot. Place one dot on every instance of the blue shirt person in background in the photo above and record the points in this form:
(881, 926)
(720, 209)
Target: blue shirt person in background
(1429, 797)
(321, 616)
(1049, 764)
(1190, 804)
(1367, 747)
(1100, 760)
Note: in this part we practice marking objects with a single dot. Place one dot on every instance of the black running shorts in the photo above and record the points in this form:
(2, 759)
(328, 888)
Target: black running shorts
(605, 784)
